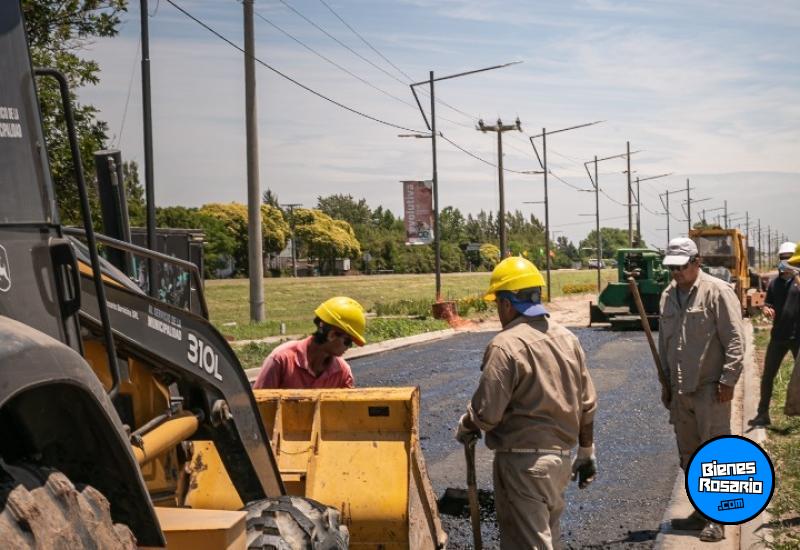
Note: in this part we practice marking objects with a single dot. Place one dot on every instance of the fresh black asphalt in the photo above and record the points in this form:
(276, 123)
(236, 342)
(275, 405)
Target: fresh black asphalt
(635, 443)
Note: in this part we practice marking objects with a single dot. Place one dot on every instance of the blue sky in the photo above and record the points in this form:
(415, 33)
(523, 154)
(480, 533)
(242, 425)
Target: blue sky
(707, 90)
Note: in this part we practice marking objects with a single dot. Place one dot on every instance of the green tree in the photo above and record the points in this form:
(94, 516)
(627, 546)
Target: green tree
(58, 32)
(134, 191)
(233, 216)
(345, 207)
(220, 244)
(325, 238)
(613, 239)
(452, 225)
(271, 198)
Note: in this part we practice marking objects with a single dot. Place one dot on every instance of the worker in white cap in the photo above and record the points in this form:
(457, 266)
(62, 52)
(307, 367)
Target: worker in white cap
(782, 306)
(701, 344)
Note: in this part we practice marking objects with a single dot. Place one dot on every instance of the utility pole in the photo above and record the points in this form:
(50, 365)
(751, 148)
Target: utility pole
(543, 165)
(688, 207)
(630, 198)
(769, 244)
(666, 206)
(596, 184)
(255, 254)
(639, 205)
(760, 257)
(147, 115)
(435, 177)
(726, 214)
(291, 207)
(500, 128)
(437, 241)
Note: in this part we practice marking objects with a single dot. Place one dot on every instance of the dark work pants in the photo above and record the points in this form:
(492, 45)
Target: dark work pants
(776, 351)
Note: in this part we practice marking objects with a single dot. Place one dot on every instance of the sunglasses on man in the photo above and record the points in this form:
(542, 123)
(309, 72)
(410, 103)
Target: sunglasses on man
(682, 267)
(346, 339)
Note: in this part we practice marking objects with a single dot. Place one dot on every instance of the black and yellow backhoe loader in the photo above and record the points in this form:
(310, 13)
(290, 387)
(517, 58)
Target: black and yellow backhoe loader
(127, 419)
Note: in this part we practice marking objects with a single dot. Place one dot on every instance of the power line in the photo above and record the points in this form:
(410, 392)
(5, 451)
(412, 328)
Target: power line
(592, 221)
(287, 77)
(366, 60)
(130, 87)
(334, 63)
(565, 182)
(364, 40)
(348, 48)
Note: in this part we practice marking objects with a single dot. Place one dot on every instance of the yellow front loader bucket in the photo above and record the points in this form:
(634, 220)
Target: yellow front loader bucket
(356, 450)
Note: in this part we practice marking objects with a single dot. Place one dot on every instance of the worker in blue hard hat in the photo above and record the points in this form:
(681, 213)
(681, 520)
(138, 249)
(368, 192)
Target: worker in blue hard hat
(535, 401)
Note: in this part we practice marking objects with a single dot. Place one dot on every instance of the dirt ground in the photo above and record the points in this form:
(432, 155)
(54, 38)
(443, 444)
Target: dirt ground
(571, 311)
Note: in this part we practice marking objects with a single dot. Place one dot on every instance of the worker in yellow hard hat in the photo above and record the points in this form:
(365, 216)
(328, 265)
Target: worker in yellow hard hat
(535, 401)
(316, 361)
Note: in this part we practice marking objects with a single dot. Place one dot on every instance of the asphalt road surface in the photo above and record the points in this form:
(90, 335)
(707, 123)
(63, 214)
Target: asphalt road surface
(636, 453)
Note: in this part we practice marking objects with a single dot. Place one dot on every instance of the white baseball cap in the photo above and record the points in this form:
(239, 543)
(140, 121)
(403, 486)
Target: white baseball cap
(786, 248)
(679, 251)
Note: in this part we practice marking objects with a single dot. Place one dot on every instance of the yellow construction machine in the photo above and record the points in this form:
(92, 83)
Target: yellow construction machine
(126, 417)
(724, 254)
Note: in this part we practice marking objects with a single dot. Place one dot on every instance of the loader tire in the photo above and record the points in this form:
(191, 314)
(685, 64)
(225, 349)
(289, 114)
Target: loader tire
(42, 509)
(294, 523)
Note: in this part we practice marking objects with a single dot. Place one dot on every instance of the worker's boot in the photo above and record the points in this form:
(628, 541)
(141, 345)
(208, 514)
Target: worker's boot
(695, 522)
(761, 420)
(712, 532)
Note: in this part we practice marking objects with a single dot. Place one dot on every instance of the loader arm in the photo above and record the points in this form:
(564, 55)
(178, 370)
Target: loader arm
(187, 348)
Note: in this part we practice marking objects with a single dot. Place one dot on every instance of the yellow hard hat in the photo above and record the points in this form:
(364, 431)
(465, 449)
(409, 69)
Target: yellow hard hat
(795, 259)
(514, 273)
(346, 314)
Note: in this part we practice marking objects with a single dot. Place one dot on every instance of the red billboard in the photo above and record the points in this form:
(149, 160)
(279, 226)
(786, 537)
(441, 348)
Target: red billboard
(418, 211)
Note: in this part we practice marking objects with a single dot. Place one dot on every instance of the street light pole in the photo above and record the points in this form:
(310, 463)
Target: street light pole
(597, 221)
(436, 237)
(543, 165)
(630, 199)
(435, 179)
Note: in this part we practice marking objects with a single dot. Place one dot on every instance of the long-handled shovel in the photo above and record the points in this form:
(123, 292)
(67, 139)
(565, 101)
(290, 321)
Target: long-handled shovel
(637, 298)
(472, 493)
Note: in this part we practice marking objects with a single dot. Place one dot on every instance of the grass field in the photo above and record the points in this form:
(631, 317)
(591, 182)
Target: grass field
(292, 301)
(783, 445)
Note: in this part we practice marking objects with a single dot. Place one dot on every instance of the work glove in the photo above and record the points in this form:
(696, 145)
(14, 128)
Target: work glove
(467, 431)
(584, 466)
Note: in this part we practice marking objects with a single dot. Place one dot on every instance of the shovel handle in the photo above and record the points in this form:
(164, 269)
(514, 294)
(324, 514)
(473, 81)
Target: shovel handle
(472, 493)
(637, 298)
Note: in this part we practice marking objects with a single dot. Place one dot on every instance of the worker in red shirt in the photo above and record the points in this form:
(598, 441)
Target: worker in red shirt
(316, 361)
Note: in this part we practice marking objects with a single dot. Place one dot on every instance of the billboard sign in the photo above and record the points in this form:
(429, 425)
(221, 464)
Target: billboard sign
(418, 211)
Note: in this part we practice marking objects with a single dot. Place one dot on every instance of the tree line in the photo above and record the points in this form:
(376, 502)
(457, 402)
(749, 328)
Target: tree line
(338, 226)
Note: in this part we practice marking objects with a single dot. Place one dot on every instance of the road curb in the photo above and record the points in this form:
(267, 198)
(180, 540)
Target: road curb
(739, 537)
(397, 343)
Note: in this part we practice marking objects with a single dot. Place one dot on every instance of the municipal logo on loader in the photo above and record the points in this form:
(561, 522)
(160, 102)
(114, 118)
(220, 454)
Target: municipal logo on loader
(730, 480)
(5, 271)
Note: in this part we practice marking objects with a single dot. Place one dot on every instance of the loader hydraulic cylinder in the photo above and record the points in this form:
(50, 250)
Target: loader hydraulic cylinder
(165, 436)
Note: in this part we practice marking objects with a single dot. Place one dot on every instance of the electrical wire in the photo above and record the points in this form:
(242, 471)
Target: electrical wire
(364, 40)
(287, 77)
(589, 221)
(366, 60)
(565, 182)
(128, 96)
(334, 63)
